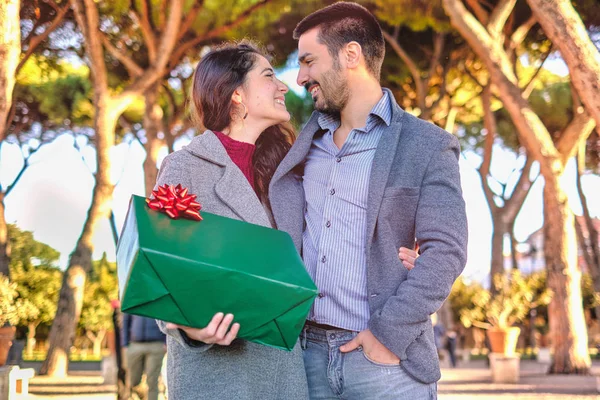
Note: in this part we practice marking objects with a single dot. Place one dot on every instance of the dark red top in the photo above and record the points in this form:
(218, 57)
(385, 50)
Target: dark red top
(240, 153)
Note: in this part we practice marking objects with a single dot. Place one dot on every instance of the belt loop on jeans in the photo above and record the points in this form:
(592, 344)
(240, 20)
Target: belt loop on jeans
(303, 339)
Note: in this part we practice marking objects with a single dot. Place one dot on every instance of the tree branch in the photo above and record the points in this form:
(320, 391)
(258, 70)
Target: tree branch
(521, 32)
(490, 126)
(532, 133)
(480, 12)
(133, 69)
(527, 89)
(87, 18)
(26, 164)
(181, 50)
(166, 47)
(499, 17)
(412, 67)
(514, 203)
(578, 130)
(190, 18)
(438, 48)
(146, 28)
(36, 40)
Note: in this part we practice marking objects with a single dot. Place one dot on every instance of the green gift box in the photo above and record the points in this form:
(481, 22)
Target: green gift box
(184, 271)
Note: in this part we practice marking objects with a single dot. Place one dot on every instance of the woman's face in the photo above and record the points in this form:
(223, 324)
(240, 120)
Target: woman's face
(264, 94)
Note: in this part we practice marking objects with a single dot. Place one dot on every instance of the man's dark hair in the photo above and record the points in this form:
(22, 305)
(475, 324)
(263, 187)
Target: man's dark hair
(342, 23)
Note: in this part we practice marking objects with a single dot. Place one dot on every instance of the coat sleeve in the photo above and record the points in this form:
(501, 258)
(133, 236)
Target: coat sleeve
(174, 171)
(441, 231)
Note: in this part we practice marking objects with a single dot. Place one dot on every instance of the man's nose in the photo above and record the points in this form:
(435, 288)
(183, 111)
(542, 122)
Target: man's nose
(302, 77)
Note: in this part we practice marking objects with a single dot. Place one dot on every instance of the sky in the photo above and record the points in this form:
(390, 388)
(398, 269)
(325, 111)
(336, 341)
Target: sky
(53, 196)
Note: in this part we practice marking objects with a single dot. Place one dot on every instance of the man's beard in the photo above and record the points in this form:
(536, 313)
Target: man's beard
(334, 92)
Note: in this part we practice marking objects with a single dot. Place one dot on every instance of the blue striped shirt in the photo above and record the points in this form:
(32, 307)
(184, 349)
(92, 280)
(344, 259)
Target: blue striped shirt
(336, 185)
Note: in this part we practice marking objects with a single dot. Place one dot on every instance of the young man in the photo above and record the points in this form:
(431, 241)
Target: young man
(363, 179)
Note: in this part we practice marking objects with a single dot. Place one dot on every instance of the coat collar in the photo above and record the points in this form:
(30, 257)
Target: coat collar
(232, 187)
(382, 163)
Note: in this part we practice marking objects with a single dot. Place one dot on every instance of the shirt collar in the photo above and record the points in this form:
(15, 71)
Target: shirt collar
(381, 111)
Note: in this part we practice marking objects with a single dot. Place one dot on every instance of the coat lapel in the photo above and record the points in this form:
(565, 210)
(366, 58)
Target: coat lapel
(382, 163)
(285, 192)
(299, 150)
(232, 188)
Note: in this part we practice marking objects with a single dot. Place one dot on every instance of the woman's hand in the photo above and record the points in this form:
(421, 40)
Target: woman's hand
(408, 257)
(216, 332)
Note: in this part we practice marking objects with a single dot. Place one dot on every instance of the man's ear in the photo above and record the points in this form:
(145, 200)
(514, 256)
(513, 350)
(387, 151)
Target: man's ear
(352, 53)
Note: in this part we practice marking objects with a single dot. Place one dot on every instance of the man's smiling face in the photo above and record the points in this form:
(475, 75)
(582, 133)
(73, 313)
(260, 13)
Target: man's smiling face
(321, 74)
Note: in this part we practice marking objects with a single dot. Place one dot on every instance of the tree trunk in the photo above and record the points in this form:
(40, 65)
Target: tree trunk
(567, 323)
(513, 246)
(590, 246)
(30, 339)
(108, 109)
(564, 279)
(10, 50)
(500, 229)
(564, 27)
(80, 263)
(4, 242)
(153, 125)
(97, 340)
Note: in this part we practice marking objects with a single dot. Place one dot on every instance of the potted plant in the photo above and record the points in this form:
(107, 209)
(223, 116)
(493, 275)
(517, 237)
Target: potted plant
(8, 316)
(514, 296)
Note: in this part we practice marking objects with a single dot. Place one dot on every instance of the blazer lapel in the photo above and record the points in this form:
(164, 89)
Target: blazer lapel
(382, 163)
(232, 188)
(299, 150)
(285, 193)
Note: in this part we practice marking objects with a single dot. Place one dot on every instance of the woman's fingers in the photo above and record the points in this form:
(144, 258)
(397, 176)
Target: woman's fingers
(216, 332)
(223, 328)
(230, 336)
(213, 325)
(408, 257)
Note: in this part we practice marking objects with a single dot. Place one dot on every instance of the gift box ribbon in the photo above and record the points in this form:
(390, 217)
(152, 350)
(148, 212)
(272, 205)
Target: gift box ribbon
(175, 202)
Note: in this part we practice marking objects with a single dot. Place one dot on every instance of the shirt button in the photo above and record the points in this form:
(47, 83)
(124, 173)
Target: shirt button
(328, 224)
(323, 259)
(338, 159)
(332, 192)
(321, 295)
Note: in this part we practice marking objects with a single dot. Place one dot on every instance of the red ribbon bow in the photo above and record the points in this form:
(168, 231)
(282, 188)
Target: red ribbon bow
(175, 202)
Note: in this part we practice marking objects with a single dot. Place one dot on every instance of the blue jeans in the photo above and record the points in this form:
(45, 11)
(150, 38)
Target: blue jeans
(353, 376)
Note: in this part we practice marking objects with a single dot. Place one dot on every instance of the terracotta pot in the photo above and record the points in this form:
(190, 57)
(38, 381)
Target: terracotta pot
(7, 334)
(504, 340)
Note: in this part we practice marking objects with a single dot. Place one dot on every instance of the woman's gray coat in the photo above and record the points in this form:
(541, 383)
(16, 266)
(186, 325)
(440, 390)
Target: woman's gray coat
(243, 370)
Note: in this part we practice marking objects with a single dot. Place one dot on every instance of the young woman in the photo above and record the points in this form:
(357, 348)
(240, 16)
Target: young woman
(237, 98)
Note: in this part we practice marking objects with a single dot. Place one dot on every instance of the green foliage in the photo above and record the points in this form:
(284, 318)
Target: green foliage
(36, 278)
(300, 108)
(56, 95)
(418, 15)
(26, 252)
(462, 297)
(515, 296)
(100, 289)
(8, 305)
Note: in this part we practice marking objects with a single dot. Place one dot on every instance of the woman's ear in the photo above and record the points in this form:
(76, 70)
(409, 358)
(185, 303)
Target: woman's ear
(237, 97)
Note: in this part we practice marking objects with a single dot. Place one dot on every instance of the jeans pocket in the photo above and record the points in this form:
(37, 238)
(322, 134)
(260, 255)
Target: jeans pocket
(379, 364)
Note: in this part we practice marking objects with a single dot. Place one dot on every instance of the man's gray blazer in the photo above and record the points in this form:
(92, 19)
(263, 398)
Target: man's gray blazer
(414, 193)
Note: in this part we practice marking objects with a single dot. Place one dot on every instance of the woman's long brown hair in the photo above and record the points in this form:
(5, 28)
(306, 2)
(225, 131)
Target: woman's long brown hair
(217, 76)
